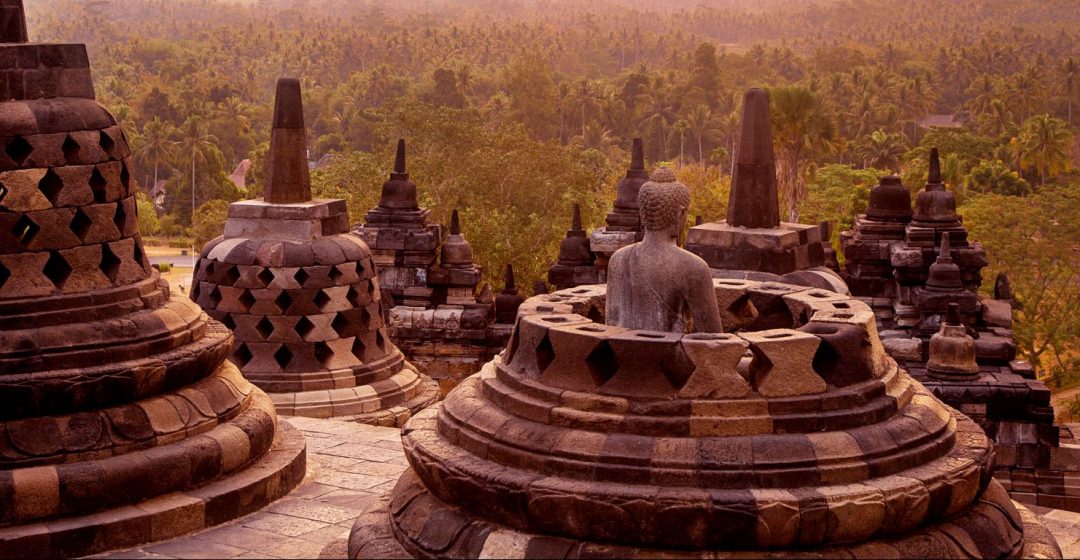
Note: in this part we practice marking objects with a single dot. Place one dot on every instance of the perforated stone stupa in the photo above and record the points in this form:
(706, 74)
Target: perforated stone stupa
(753, 243)
(587, 438)
(120, 420)
(301, 293)
(430, 276)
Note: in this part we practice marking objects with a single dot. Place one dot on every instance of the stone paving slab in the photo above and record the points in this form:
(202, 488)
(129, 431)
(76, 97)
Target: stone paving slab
(349, 465)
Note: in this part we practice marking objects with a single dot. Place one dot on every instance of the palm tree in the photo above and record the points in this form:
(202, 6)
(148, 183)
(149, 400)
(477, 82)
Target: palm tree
(156, 142)
(882, 150)
(465, 81)
(583, 98)
(1067, 83)
(196, 139)
(1044, 143)
(655, 99)
(981, 93)
(701, 123)
(799, 127)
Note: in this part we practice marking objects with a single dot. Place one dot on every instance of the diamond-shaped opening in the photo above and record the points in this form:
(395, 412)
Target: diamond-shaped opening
(321, 299)
(71, 150)
(120, 218)
(301, 276)
(602, 363)
(323, 353)
(110, 263)
(354, 297)
(80, 224)
(138, 253)
(19, 149)
(678, 368)
(380, 341)
(358, 348)
(107, 144)
(215, 296)
(125, 177)
(228, 321)
(241, 356)
(50, 185)
(3, 192)
(304, 327)
(594, 315)
(334, 272)
(341, 325)
(232, 274)
(97, 184)
(266, 277)
(265, 328)
(25, 230)
(195, 291)
(247, 300)
(283, 356)
(4, 274)
(57, 270)
(284, 301)
(545, 354)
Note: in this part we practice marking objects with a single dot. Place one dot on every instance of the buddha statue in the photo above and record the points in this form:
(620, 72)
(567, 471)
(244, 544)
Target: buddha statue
(654, 284)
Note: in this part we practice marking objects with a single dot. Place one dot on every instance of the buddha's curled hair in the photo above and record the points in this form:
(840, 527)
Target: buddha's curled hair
(661, 199)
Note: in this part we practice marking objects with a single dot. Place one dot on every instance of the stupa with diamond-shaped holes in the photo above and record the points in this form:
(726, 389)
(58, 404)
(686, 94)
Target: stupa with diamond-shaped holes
(301, 294)
(120, 420)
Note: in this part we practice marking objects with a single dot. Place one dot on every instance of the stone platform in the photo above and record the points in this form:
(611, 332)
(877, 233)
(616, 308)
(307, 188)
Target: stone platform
(352, 467)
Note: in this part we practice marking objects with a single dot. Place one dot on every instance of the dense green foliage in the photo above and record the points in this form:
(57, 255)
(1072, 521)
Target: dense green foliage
(514, 111)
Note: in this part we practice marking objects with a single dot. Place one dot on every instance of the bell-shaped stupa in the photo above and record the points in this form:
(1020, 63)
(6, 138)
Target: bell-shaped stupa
(301, 294)
(121, 421)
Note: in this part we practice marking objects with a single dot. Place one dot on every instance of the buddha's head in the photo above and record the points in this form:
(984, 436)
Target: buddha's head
(664, 203)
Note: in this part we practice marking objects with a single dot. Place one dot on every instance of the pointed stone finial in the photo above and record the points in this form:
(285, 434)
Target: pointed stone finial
(508, 282)
(399, 158)
(288, 180)
(934, 175)
(945, 252)
(753, 202)
(952, 316)
(455, 223)
(13, 22)
(575, 224)
(637, 155)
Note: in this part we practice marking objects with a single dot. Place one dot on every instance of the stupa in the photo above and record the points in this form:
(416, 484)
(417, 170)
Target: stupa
(588, 438)
(753, 243)
(623, 223)
(576, 264)
(912, 268)
(301, 293)
(122, 422)
(431, 278)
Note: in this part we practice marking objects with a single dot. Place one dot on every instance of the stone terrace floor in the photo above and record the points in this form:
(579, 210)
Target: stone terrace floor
(348, 465)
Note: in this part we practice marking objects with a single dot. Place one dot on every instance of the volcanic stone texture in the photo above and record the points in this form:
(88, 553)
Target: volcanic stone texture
(302, 297)
(120, 421)
(579, 441)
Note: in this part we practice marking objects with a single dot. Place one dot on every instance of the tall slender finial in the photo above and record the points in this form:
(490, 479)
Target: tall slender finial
(288, 180)
(637, 155)
(952, 316)
(455, 223)
(13, 22)
(399, 159)
(508, 282)
(934, 176)
(945, 252)
(575, 223)
(753, 201)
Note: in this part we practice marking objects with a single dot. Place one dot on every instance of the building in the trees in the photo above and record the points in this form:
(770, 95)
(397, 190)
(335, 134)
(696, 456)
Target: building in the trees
(301, 294)
(429, 280)
(121, 422)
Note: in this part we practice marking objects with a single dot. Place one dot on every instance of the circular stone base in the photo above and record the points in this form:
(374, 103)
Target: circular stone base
(396, 416)
(275, 474)
(448, 531)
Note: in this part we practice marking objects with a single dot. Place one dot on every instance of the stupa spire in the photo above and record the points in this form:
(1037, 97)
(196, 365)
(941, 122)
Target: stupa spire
(637, 155)
(575, 223)
(753, 202)
(455, 223)
(13, 22)
(399, 158)
(508, 282)
(288, 180)
(934, 175)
